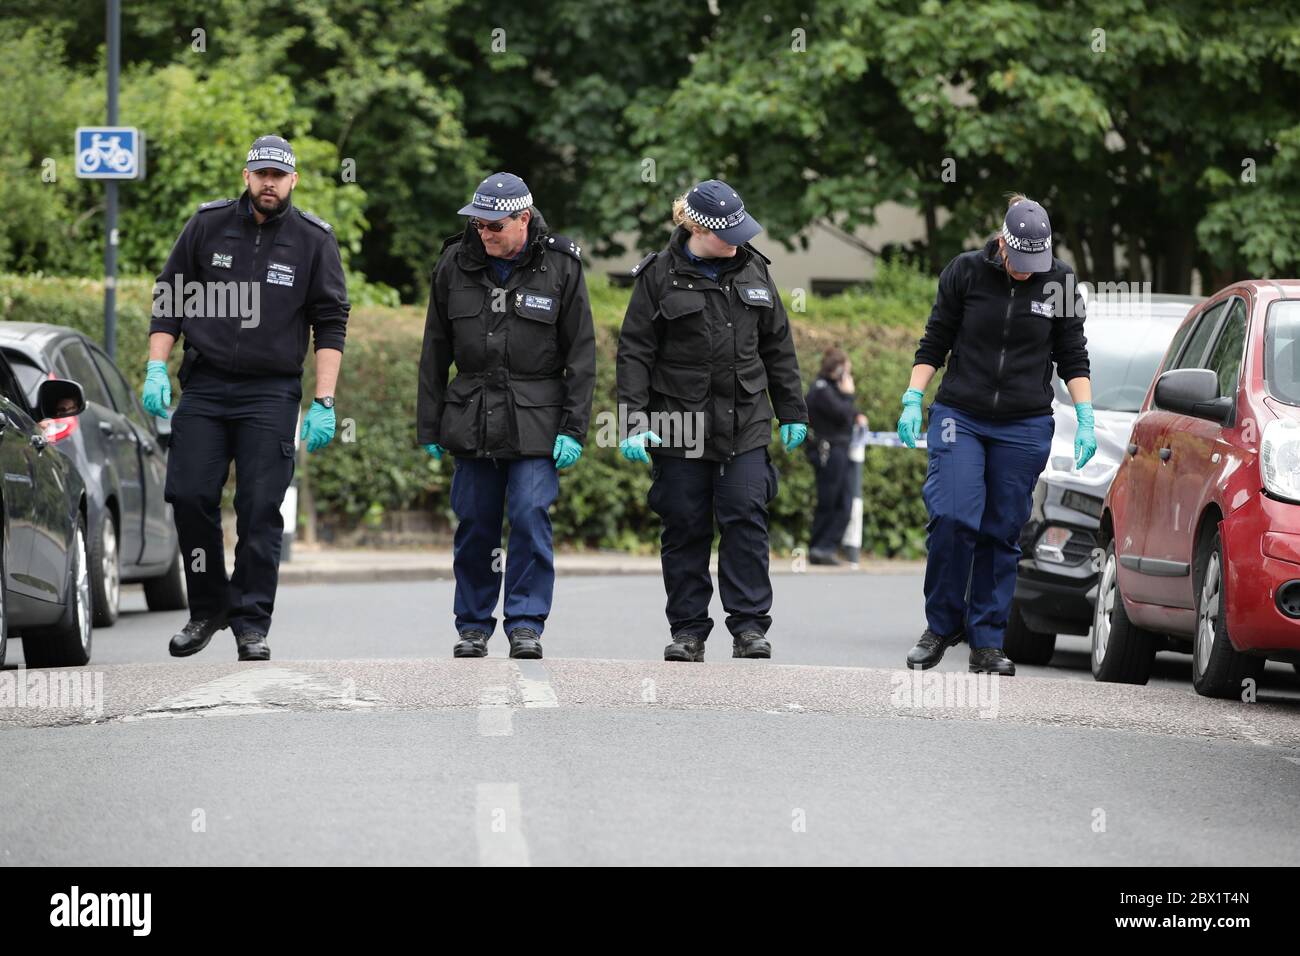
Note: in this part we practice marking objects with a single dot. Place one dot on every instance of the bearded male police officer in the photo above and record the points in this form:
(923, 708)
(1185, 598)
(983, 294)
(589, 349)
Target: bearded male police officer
(242, 386)
(509, 306)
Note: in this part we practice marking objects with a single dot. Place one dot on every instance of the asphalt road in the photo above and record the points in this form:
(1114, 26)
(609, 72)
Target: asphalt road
(363, 742)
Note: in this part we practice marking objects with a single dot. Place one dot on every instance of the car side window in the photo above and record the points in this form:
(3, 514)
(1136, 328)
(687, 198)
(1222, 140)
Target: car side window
(1225, 359)
(10, 389)
(1179, 338)
(1200, 337)
(75, 363)
(123, 397)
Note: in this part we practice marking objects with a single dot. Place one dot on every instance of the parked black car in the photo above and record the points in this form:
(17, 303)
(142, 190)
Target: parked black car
(45, 594)
(120, 452)
(1056, 580)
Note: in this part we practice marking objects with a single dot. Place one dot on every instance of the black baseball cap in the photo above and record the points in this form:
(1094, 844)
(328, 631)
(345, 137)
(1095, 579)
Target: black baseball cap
(1028, 233)
(271, 152)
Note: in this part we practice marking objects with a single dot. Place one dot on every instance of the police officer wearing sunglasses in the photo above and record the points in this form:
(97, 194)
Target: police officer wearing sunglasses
(1003, 316)
(509, 306)
(242, 382)
(704, 343)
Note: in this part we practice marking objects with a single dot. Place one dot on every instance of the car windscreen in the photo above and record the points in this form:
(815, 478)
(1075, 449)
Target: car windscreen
(28, 375)
(1282, 351)
(1124, 354)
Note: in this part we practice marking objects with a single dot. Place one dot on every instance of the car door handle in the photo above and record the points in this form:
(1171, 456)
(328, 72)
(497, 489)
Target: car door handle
(107, 429)
(1132, 448)
(147, 446)
(39, 442)
(1165, 453)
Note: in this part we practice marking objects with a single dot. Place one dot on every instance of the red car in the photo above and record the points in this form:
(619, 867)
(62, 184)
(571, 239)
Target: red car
(1201, 526)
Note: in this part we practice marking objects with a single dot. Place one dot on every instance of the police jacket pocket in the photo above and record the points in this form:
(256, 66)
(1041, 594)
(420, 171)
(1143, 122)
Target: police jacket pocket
(465, 303)
(687, 383)
(538, 404)
(686, 327)
(459, 426)
(752, 403)
(753, 379)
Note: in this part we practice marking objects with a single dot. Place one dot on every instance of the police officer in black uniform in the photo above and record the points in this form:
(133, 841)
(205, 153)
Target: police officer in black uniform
(509, 306)
(704, 342)
(266, 274)
(832, 412)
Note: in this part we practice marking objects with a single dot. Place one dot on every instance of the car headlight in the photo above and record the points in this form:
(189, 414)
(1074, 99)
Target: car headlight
(1280, 454)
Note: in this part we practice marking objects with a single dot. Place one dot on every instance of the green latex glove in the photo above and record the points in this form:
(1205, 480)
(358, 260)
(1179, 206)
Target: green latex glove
(792, 435)
(633, 447)
(317, 427)
(1085, 438)
(909, 423)
(566, 452)
(157, 392)
(436, 450)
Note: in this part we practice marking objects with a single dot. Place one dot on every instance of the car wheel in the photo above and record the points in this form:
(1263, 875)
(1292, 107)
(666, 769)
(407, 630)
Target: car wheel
(67, 643)
(1218, 669)
(1122, 652)
(1023, 644)
(167, 593)
(4, 609)
(105, 573)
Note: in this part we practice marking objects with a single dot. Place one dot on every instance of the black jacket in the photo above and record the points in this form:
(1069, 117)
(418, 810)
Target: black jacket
(292, 263)
(525, 354)
(1004, 335)
(830, 412)
(690, 345)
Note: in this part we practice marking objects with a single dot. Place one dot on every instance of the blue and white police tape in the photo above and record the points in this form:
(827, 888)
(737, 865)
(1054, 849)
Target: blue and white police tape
(890, 440)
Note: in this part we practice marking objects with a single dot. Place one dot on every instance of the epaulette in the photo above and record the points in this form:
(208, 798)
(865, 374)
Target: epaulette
(315, 220)
(565, 245)
(757, 253)
(451, 241)
(215, 204)
(640, 266)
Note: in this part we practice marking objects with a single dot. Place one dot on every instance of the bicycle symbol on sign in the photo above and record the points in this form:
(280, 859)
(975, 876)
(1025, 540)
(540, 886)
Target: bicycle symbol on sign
(106, 152)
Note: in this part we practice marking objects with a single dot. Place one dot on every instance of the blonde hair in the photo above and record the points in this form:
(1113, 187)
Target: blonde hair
(681, 219)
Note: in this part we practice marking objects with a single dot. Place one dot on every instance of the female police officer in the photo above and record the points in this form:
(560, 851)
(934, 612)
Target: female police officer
(1005, 313)
(704, 340)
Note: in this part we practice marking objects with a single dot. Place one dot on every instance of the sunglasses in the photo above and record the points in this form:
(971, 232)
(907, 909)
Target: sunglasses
(479, 225)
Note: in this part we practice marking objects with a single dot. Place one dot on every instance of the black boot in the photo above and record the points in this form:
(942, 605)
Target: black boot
(991, 660)
(472, 643)
(823, 556)
(194, 636)
(929, 649)
(750, 644)
(253, 647)
(525, 644)
(685, 647)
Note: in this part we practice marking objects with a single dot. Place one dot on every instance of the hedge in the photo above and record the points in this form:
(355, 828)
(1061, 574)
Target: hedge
(602, 499)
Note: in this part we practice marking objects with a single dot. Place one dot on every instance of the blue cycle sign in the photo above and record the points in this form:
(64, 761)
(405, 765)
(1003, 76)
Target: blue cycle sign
(110, 152)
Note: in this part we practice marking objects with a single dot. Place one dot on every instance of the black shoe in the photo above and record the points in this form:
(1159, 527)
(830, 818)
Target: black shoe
(471, 644)
(823, 556)
(750, 644)
(929, 649)
(991, 660)
(525, 644)
(685, 647)
(194, 636)
(253, 647)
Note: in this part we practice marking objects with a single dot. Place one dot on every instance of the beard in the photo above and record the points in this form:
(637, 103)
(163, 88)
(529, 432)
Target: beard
(269, 205)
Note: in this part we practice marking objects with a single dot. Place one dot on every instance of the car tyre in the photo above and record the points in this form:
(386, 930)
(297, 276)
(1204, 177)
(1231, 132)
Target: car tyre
(1218, 668)
(1122, 652)
(1023, 644)
(106, 572)
(67, 643)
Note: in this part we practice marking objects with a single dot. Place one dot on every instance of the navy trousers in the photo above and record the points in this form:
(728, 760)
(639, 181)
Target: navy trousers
(248, 420)
(483, 492)
(978, 493)
(689, 494)
(835, 476)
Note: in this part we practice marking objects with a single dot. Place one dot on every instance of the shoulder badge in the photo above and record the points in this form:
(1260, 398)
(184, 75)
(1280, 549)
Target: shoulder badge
(215, 204)
(315, 220)
(640, 266)
(559, 243)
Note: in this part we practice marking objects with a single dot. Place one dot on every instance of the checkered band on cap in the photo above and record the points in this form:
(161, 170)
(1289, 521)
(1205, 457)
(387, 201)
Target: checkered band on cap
(272, 153)
(1028, 243)
(715, 222)
(499, 204)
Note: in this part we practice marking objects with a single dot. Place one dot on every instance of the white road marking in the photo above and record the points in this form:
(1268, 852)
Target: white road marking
(534, 685)
(499, 823)
(259, 690)
(495, 715)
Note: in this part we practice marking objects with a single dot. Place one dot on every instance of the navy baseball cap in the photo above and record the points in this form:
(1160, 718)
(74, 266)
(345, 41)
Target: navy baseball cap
(271, 152)
(715, 205)
(1028, 233)
(497, 197)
